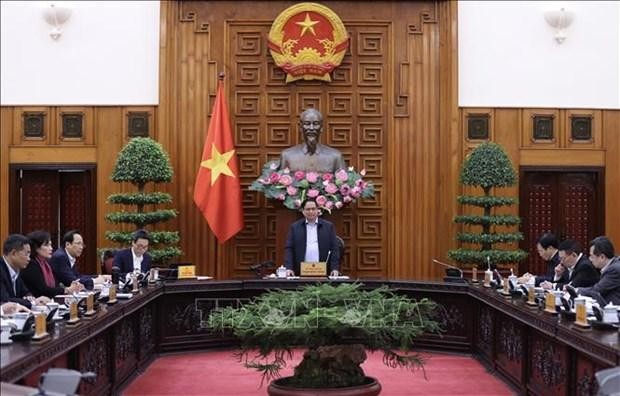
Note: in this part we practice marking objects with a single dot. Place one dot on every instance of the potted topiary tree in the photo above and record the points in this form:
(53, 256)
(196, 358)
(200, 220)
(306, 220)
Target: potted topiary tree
(336, 324)
(488, 167)
(143, 161)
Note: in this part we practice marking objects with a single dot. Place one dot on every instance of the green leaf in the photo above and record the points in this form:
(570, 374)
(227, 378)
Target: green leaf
(141, 161)
(507, 220)
(488, 166)
(153, 198)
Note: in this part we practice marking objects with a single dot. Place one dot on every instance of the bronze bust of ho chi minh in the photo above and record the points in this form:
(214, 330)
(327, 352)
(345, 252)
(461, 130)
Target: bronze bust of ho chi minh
(311, 155)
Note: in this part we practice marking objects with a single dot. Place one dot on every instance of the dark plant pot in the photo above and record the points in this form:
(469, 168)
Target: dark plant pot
(371, 388)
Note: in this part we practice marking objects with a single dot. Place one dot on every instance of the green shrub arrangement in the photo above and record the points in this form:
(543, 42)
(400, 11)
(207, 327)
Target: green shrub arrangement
(487, 167)
(336, 324)
(143, 161)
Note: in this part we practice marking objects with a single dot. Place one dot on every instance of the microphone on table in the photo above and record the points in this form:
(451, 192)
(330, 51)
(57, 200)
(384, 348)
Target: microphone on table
(258, 268)
(116, 274)
(453, 274)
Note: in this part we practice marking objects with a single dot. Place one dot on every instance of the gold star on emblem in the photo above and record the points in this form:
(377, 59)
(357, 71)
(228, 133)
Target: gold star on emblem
(218, 163)
(307, 24)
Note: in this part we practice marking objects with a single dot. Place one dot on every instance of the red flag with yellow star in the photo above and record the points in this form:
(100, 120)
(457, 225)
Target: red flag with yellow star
(217, 191)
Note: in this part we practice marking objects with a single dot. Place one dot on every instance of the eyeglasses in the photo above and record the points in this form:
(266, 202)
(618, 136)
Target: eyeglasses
(141, 246)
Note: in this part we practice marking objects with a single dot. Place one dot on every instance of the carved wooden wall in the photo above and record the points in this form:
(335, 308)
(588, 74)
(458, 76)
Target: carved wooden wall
(392, 109)
(381, 110)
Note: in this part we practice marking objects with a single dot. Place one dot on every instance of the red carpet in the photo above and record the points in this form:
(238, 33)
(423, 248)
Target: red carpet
(219, 374)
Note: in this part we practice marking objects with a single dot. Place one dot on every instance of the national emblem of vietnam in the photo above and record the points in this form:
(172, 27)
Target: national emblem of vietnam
(308, 40)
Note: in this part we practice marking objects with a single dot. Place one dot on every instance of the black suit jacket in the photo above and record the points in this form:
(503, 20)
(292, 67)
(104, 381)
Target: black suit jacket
(123, 259)
(550, 274)
(61, 266)
(6, 287)
(584, 274)
(35, 281)
(607, 289)
(295, 248)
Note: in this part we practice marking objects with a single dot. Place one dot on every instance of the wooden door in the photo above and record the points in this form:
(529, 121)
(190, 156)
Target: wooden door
(566, 202)
(56, 200)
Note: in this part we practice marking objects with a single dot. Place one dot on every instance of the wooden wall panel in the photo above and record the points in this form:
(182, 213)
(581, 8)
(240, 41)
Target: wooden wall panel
(513, 129)
(381, 110)
(414, 145)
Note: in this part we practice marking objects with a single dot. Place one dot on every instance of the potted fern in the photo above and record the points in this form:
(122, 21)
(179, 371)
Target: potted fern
(336, 325)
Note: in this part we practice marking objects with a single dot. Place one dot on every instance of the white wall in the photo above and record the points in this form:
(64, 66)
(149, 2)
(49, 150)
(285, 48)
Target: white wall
(508, 56)
(108, 54)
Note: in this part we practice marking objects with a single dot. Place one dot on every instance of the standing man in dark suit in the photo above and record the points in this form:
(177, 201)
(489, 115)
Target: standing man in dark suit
(607, 289)
(135, 258)
(311, 239)
(579, 269)
(15, 258)
(64, 259)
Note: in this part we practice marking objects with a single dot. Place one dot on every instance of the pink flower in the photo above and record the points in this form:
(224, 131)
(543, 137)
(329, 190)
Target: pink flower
(291, 190)
(297, 203)
(312, 177)
(274, 177)
(329, 204)
(355, 192)
(358, 182)
(313, 193)
(281, 197)
(299, 175)
(264, 181)
(347, 199)
(331, 188)
(286, 180)
(338, 205)
(342, 175)
(345, 189)
(328, 176)
(273, 166)
(320, 200)
(363, 172)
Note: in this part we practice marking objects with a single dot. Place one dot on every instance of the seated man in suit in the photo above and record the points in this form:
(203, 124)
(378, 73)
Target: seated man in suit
(607, 289)
(15, 257)
(311, 239)
(135, 258)
(64, 259)
(579, 269)
(547, 249)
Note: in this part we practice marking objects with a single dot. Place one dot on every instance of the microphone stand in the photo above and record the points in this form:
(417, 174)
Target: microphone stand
(451, 276)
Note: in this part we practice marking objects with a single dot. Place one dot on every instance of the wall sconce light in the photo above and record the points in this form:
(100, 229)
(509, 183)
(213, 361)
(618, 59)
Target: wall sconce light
(559, 20)
(56, 16)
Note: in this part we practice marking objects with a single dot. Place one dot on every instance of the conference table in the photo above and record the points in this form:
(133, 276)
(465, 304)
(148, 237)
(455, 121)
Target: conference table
(535, 352)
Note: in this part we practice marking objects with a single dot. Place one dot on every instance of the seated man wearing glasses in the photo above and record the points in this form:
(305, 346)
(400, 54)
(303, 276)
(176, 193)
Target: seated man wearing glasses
(135, 258)
(311, 239)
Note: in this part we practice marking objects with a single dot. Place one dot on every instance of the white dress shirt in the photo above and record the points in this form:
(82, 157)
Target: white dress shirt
(312, 242)
(12, 273)
(72, 259)
(137, 262)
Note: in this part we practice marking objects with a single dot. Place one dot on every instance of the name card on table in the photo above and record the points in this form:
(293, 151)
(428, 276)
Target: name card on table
(40, 327)
(90, 305)
(550, 304)
(112, 295)
(531, 296)
(581, 314)
(313, 268)
(73, 315)
(186, 272)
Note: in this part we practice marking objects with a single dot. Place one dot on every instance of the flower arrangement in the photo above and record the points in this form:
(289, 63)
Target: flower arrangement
(329, 190)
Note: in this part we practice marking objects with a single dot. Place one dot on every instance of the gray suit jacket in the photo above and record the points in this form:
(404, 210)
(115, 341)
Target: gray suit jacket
(608, 287)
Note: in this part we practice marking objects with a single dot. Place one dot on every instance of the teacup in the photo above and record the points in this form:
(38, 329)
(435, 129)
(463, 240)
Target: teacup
(5, 334)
